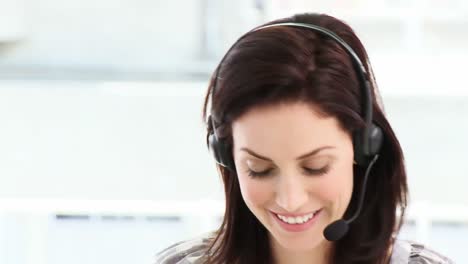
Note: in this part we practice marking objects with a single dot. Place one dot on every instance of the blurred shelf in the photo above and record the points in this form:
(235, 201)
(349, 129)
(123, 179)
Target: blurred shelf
(416, 211)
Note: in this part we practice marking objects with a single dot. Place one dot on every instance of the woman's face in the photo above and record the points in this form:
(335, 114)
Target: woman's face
(305, 166)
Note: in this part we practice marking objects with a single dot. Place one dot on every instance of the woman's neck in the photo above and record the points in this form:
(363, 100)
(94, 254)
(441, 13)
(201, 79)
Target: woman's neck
(319, 255)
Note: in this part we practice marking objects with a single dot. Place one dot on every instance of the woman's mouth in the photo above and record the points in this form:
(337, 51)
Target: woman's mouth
(296, 223)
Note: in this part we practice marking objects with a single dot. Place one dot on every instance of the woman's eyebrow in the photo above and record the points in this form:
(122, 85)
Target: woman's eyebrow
(309, 154)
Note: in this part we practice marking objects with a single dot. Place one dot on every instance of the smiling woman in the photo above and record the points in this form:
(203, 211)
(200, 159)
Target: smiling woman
(300, 143)
(292, 187)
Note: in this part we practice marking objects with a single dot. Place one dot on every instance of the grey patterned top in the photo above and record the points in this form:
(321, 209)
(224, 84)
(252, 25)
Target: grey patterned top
(191, 251)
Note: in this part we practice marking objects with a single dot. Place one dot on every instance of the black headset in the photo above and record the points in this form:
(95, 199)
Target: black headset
(367, 141)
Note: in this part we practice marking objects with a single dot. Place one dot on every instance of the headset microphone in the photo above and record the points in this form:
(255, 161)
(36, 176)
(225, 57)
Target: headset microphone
(338, 229)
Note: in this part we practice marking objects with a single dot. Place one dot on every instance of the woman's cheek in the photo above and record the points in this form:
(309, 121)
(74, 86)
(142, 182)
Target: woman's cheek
(254, 192)
(336, 190)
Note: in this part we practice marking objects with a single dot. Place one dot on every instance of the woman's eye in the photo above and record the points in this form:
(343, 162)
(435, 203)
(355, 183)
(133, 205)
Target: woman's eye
(254, 174)
(309, 171)
(320, 171)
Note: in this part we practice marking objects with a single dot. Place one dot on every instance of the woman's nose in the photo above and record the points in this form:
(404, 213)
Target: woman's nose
(291, 193)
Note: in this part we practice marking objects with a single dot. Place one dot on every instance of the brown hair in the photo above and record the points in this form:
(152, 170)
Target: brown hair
(286, 64)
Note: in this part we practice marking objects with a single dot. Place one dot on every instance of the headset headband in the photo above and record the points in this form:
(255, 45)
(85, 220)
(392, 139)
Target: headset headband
(367, 108)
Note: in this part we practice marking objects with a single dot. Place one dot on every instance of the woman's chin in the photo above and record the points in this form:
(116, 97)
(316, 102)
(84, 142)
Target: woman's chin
(298, 244)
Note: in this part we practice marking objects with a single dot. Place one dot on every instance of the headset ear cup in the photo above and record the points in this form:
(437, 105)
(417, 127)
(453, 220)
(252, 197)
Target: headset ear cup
(358, 146)
(220, 151)
(212, 146)
(375, 141)
(226, 155)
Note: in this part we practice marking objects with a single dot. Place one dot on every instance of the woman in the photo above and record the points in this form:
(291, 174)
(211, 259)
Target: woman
(312, 170)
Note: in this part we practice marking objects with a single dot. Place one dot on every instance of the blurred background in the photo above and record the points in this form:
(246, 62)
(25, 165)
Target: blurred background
(102, 154)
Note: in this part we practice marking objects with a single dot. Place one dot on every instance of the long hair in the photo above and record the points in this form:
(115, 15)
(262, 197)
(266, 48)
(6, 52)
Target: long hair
(286, 64)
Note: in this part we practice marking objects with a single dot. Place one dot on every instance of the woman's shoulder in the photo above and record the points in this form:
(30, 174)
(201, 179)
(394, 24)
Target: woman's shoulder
(411, 252)
(187, 251)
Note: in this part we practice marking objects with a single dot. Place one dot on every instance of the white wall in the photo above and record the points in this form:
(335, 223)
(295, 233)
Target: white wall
(123, 39)
(105, 34)
(433, 133)
(12, 20)
(146, 141)
(104, 141)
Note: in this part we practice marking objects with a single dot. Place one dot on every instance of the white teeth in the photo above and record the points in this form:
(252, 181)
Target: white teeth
(296, 220)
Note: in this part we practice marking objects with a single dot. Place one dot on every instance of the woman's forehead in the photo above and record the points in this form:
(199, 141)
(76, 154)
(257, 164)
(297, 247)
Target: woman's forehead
(291, 118)
(294, 126)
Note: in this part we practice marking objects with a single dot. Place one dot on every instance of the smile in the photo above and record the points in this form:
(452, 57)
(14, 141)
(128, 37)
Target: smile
(296, 223)
(297, 219)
